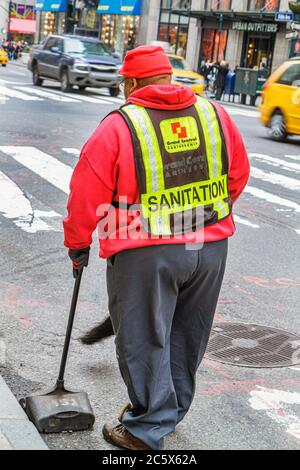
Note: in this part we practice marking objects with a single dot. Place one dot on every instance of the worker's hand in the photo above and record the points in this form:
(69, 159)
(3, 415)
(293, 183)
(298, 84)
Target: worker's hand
(80, 259)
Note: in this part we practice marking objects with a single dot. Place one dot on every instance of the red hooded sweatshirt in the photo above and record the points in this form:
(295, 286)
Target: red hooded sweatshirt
(106, 172)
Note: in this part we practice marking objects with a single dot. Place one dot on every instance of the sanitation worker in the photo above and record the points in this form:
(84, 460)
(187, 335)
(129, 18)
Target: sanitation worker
(167, 167)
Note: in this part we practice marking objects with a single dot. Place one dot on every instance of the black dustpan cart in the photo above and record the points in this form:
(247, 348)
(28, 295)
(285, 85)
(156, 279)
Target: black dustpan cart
(61, 410)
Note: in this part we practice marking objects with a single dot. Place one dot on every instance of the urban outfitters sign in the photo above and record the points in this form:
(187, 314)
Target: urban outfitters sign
(255, 27)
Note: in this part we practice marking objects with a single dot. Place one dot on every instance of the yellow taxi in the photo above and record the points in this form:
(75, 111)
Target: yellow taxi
(3, 57)
(184, 75)
(280, 107)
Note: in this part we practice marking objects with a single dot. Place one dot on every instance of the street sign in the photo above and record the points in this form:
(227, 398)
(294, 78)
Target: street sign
(292, 35)
(284, 16)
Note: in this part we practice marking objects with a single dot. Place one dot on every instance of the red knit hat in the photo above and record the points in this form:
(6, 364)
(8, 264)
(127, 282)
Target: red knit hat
(145, 61)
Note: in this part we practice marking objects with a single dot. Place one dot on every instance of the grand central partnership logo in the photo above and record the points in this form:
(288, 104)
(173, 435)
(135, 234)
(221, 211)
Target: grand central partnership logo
(180, 134)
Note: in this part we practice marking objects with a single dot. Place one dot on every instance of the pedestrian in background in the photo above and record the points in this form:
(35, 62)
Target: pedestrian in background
(221, 79)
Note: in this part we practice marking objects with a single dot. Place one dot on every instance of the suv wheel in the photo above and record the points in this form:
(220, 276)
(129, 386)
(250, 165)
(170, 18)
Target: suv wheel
(36, 80)
(277, 130)
(65, 85)
(114, 91)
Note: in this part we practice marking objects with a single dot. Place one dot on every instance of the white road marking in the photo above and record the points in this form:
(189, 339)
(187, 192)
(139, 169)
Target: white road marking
(14, 83)
(276, 178)
(47, 94)
(269, 197)
(44, 165)
(293, 157)
(2, 355)
(113, 100)
(277, 405)
(4, 442)
(72, 151)
(241, 220)
(77, 96)
(5, 91)
(241, 112)
(16, 206)
(277, 162)
(297, 230)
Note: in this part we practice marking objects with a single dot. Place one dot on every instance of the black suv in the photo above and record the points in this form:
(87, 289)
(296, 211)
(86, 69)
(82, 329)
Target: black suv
(75, 60)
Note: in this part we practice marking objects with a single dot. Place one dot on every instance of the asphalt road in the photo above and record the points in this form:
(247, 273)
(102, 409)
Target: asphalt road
(41, 133)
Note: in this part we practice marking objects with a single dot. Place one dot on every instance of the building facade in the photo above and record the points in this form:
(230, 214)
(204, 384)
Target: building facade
(4, 19)
(242, 32)
(115, 22)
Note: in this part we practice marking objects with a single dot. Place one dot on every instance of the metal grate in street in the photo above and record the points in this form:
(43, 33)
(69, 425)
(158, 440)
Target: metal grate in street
(251, 345)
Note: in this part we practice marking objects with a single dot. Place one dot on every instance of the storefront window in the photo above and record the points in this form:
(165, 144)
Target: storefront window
(119, 31)
(259, 52)
(265, 5)
(214, 44)
(222, 5)
(22, 25)
(173, 29)
(296, 48)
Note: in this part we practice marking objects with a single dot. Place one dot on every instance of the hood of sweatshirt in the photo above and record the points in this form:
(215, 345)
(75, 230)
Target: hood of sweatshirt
(163, 97)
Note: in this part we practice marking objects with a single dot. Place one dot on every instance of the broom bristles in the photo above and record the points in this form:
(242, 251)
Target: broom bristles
(98, 333)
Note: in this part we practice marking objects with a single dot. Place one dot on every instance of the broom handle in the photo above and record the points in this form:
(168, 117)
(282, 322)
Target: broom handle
(60, 380)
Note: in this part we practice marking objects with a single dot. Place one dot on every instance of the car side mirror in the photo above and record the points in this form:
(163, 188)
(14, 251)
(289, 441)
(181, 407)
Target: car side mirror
(55, 49)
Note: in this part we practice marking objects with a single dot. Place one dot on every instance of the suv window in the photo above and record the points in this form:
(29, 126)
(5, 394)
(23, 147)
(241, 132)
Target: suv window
(60, 44)
(291, 75)
(85, 47)
(52, 42)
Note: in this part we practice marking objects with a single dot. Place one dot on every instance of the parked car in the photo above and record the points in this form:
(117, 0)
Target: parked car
(280, 107)
(75, 60)
(3, 57)
(184, 75)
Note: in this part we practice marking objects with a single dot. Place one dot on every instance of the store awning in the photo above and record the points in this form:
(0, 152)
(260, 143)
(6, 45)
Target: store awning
(256, 16)
(51, 5)
(119, 7)
(22, 26)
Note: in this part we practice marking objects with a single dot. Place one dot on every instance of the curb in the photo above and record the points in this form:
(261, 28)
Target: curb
(16, 431)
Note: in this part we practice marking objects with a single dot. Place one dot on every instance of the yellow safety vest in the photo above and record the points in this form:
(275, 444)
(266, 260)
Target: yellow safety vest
(182, 167)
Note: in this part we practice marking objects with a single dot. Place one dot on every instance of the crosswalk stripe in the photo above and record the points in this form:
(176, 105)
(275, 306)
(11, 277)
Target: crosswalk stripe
(241, 220)
(47, 94)
(293, 157)
(5, 91)
(113, 100)
(72, 151)
(269, 197)
(79, 97)
(276, 178)
(16, 206)
(241, 112)
(44, 165)
(59, 174)
(277, 162)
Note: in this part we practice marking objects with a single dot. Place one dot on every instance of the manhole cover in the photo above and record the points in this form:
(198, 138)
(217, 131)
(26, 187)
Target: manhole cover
(250, 345)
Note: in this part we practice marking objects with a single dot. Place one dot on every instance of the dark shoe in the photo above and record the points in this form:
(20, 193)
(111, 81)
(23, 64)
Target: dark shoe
(118, 435)
(98, 333)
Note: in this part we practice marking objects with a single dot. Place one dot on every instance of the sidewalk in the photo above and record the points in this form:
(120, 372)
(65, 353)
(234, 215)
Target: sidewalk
(16, 431)
(22, 62)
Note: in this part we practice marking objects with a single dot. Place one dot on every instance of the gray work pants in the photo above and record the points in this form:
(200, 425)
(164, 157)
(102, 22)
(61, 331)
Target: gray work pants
(162, 301)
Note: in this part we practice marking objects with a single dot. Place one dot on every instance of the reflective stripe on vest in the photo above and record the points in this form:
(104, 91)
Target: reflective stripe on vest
(158, 202)
(213, 141)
